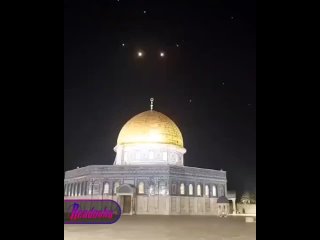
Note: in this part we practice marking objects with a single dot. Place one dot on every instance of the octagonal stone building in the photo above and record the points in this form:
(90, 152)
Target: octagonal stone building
(148, 175)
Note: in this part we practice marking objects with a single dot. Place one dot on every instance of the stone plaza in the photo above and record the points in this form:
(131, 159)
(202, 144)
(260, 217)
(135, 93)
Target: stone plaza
(166, 228)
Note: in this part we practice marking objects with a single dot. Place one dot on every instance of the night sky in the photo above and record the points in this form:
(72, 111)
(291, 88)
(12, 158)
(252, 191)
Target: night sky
(206, 84)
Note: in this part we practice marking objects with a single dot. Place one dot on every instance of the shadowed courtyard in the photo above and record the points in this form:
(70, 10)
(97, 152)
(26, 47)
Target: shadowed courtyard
(166, 227)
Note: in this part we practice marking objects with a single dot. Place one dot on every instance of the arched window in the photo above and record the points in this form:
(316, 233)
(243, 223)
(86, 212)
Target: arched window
(222, 191)
(151, 155)
(207, 191)
(174, 189)
(90, 189)
(214, 191)
(96, 188)
(115, 187)
(182, 188)
(165, 156)
(162, 188)
(106, 188)
(125, 157)
(199, 192)
(138, 155)
(190, 189)
(141, 188)
(151, 189)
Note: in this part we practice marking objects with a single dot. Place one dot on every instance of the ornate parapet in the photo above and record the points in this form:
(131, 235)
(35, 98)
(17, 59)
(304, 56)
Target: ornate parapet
(97, 171)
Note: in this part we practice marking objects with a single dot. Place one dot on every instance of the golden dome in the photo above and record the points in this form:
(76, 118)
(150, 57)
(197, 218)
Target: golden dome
(150, 127)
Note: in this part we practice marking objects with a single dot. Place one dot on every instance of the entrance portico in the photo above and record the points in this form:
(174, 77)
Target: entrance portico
(126, 194)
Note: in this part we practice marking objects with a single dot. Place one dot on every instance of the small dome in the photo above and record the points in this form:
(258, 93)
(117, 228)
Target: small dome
(222, 199)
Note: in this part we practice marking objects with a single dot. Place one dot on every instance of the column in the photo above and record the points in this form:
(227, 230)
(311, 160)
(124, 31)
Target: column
(72, 189)
(68, 192)
(80, 189)
(234, 206)
(76, 189)
(86, 188)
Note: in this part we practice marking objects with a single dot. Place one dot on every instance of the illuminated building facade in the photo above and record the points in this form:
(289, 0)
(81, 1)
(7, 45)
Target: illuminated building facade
(148, 175)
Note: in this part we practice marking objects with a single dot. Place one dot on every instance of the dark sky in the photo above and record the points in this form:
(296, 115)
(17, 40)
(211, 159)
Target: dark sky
(105, 84)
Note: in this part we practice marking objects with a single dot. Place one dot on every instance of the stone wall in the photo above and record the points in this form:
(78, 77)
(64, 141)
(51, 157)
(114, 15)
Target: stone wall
(168, 205)
(193, 206)
(176, 205)
(159, 205)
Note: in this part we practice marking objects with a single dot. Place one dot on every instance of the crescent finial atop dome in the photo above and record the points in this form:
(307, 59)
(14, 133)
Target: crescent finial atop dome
(151, 105)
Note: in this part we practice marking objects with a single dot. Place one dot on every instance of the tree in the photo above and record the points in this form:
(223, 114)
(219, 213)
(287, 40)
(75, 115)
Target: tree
(248, 198)
(253, 197)
(245, 198)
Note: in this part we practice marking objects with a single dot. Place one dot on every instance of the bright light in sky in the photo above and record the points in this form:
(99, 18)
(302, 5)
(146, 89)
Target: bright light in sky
(140, 54)
(162, 54)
